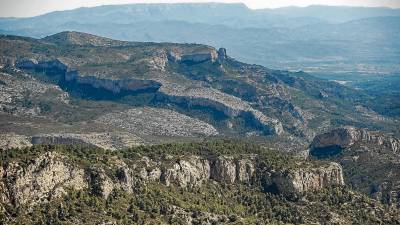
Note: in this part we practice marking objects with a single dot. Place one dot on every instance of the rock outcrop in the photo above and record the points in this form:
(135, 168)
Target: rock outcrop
(11, 140)
(193, 57)
(303, 180)
(370, 160)
(192, 171)
(49, 66)
(222, 53)
(153, 69)
(230, 105)
(347, 136)
(51, 174)
(116, 86)
(47, 176)
(73, 77)
(223, 169)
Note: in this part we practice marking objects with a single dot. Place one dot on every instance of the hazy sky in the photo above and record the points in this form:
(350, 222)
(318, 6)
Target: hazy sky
(25, 8)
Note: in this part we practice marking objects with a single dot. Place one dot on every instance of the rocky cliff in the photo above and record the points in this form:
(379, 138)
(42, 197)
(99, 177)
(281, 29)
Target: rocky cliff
(192, 95)
(193, 57)
(90, 78)
(51, 174)
(301, 180)
(347, 136)
(229, 105)
(370, 160)
(209, 182)
(47, 176)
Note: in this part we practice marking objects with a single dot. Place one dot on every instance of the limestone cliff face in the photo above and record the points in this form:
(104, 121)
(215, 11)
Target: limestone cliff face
(230, 105)
(224, 170)
(192, 171)
(59, 67)
(47, 176)
(347, 136)
(193, 57)
(370, 160)
(51, 174)
(52, 66)
(301, 180)
(115, 86)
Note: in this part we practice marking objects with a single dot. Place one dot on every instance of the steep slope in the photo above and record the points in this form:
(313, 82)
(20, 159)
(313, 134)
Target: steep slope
(212, 182)
(196, 81)
(347, 41)
(370, 160)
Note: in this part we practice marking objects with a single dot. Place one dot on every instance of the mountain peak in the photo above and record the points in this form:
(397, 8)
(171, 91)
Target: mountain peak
(80, 38)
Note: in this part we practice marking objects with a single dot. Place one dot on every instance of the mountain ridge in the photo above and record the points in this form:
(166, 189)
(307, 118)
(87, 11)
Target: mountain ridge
(194, 80)
(279, 41)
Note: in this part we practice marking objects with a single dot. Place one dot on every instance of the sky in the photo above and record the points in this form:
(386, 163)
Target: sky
(27, 8)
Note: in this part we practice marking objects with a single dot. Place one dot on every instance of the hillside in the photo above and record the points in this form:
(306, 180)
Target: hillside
(370, 160)
(349, 41)
(198, 183)
(164, 90)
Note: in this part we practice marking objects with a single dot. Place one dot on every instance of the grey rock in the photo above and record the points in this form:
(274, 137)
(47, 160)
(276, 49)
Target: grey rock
(115, 86)
(347, 136)
(100, 183)
(27, 63)
(189, 172)
(245, 169)
(210, 54)
(303, 180)
(222, 53)
(49, 175)
(223, 170)
(146, 121)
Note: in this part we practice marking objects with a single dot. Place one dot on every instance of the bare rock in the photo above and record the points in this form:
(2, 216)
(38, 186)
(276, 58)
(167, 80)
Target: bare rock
(245, 169)
(149, 170)
(193, 57)
(189, 172)
(100, 183)
(223, 170)
(47, 176)
(27, 63)
(114, 85)
(222, 53)
(347, 136)
(157, 121)
(308, 179)
(11, 140)
(230, 105)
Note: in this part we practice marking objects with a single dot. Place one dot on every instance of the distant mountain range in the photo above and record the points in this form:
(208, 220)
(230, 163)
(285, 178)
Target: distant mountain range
(316, 39)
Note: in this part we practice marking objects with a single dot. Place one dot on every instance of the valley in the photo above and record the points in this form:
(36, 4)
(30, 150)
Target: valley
(200, 114)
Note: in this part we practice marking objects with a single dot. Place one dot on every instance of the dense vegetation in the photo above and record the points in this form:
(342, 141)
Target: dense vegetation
(85, 155)
(215, 203)
(233, 204)
(378, 177)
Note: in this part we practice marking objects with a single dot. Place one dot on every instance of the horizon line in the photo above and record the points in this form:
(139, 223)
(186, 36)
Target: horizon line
(201, 3)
